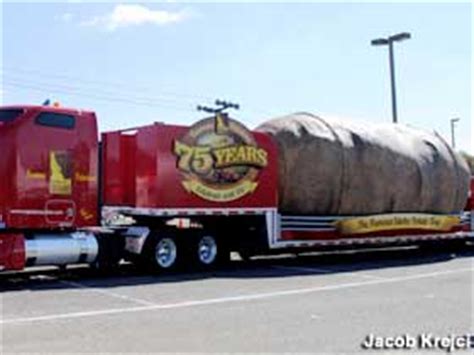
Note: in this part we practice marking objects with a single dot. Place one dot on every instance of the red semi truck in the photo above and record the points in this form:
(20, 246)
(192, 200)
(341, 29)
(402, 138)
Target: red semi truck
(165, 195)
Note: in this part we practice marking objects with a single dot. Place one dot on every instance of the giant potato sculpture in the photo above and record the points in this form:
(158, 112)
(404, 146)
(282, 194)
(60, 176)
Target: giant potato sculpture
(330, 167)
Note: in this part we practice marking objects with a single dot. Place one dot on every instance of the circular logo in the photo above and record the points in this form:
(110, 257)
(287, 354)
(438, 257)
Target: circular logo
(219, 159)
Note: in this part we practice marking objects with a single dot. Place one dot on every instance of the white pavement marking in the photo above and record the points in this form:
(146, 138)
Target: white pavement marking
(368, 276)
(327, 271)
(302, 268)
(241, 298)
(107, 293)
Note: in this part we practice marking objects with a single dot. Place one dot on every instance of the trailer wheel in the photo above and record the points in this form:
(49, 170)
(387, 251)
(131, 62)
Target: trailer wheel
(161, 253)
(166, 253)
(209, 252)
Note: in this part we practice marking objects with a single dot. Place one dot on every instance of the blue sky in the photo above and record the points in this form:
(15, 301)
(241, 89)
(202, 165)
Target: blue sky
(135, 63)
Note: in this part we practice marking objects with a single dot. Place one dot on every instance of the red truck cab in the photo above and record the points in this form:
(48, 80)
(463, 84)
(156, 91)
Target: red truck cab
(49, 168)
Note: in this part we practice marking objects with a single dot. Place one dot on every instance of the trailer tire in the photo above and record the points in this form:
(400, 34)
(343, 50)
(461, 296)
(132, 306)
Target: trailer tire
(210, 252)
(162, 253)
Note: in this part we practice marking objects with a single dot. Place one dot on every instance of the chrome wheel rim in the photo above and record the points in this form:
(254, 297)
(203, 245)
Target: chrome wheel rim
(165, 253)
(207, 250)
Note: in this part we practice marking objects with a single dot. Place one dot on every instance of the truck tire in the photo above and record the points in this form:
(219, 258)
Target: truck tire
(209, 252)
(161, 253)
(110, 254)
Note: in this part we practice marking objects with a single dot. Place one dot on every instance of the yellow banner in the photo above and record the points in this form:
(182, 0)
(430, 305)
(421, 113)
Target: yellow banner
(391, 222)
(220, 195)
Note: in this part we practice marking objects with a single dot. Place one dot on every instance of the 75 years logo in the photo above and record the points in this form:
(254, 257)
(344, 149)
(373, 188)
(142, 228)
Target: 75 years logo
(219, 159)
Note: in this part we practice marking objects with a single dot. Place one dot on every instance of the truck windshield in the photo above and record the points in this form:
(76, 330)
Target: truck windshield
(9, 115)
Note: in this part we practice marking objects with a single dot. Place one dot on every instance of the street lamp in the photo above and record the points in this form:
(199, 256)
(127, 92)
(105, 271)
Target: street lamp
(389, 41)
(453, 122)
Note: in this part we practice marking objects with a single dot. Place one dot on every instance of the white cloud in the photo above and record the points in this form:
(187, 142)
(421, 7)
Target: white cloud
(134, 15)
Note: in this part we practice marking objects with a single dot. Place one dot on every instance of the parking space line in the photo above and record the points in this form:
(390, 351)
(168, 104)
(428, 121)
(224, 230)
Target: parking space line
(302, 268)
(368, 276)
(326, 271)
(107, 293)
(230, 299)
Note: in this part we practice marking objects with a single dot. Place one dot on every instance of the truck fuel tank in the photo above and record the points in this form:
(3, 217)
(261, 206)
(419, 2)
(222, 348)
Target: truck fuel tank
(61, 249)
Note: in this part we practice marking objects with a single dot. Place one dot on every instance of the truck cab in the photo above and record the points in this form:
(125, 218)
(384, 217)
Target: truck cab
(48, 169)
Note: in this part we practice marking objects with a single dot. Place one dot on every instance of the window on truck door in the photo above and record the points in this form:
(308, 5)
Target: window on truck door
(57, 120)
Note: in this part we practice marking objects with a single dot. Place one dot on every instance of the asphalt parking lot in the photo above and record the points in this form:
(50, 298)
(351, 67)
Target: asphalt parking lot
(312, 304)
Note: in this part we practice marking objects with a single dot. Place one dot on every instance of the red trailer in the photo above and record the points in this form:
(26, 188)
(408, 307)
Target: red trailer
(165, 195)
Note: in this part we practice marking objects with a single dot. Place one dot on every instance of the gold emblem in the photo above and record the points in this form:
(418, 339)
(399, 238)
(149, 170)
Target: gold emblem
(219, 159)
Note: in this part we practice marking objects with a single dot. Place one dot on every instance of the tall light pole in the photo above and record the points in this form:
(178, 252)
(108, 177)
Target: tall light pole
(389, 41)
(453, 122)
